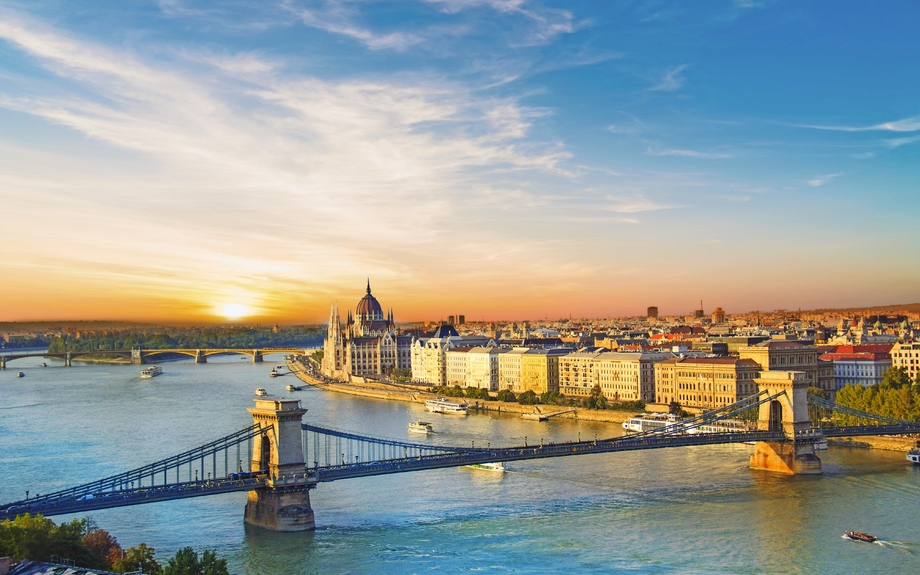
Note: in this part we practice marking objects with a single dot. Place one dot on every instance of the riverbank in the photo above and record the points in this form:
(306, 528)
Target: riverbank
(420, 394)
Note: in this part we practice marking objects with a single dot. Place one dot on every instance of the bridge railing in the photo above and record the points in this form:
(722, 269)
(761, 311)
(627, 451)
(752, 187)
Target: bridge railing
(324, 447)
(157, 474)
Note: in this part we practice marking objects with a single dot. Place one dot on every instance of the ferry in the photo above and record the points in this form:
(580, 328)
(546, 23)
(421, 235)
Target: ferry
(724, 426)
(273, 373)
(857, 536)
(421, 427)
(260, 392)
(821, 444)
(151, 372)
(914, 454)
(446, 406)
(496, 467)
(651, 422)
(294, 387)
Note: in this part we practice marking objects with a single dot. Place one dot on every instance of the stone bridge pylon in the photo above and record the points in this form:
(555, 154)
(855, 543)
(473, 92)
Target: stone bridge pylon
(284, 503)
(787, 413)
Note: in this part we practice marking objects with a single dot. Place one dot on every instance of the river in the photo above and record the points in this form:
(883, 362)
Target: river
(681, 511)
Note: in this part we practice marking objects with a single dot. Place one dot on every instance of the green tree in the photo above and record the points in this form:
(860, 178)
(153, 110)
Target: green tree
(528, 398)
(597, 399)
(550, 397)
(506, 395)
(895, 377)
(186, 562)
(674, 408)
(140, 558)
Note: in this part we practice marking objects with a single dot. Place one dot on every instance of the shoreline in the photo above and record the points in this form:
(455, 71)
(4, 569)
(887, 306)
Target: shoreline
(393, 392)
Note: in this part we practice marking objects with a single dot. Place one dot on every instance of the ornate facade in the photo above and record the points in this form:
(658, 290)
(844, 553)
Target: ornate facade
(367, 345)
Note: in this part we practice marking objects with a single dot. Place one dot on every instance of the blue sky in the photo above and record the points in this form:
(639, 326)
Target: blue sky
(502, 159)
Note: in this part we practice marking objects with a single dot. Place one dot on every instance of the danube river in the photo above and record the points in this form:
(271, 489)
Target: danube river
(682, 511)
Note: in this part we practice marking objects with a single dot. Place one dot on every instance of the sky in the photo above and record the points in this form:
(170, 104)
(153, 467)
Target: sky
(196, 161)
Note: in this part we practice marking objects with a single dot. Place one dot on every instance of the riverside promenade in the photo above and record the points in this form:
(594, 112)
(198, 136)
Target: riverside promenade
(414, 393)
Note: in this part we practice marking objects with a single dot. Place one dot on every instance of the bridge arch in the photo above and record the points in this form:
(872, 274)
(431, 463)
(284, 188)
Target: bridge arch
(776, 416)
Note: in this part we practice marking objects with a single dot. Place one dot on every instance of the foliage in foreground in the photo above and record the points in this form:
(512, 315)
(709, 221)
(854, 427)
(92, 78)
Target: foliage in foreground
(896, 396)
(38, 538)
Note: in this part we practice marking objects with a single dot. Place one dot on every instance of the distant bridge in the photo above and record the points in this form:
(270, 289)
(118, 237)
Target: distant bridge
(139, 356)
(288, 457)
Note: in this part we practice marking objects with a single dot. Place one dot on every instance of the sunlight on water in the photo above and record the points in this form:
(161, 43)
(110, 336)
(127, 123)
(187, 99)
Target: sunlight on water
(688, 511)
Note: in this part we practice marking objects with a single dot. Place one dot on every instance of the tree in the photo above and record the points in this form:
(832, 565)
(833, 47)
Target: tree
(550, 397)
(528, 398)
(186, 562)
(506, 395)
(896, 378)
(103, 545)
(597, 399)
(140, 558)
(674, 408)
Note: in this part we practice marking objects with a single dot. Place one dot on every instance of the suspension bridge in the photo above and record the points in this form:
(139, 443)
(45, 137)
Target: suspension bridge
(287, 458)
(141, 356)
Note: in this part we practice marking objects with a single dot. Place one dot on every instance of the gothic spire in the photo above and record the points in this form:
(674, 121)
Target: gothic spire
(368, 286)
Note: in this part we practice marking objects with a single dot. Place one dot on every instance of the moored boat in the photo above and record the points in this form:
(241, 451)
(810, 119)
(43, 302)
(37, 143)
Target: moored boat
(152, 371)
(859, 536)
(496, 467)
(260, 392)
(447, 406)
(821, 444)
(723, 426)
(420, 427)
(652, 422)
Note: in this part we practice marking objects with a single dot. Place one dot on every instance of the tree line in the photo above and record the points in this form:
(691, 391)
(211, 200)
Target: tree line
(38, 538)
(595, 399)
(193, 338)
(897, 396)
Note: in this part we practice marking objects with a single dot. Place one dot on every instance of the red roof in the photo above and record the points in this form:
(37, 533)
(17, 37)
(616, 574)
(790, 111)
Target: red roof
(865, 356)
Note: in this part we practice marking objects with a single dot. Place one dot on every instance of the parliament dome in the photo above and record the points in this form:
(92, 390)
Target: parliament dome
(369, 308)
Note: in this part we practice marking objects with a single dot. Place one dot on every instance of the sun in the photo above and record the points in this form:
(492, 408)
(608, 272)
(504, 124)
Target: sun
(234, 311)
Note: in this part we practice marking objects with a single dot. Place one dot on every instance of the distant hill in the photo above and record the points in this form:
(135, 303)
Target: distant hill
(892, 308)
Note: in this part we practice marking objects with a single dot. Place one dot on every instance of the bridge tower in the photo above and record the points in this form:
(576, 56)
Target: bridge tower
(2, 362)
(787, 413)
(284, 503)
(137, 357)
(256, 356)
(200, 357)
(68, 360)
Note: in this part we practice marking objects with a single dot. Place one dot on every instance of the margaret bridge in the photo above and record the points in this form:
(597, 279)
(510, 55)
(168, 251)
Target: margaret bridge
(140, 356)
(288, 458)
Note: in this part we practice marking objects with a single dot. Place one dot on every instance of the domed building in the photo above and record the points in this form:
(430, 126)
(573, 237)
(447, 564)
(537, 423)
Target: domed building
(367, 345)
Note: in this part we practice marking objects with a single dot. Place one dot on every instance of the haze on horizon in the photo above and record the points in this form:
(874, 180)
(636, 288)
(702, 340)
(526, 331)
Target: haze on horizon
(190, 160)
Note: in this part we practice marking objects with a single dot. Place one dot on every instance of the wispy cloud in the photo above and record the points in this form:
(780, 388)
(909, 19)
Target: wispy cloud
(821, 180)
(688, 154)
(672, 80)
(636, 205)
(911, 124)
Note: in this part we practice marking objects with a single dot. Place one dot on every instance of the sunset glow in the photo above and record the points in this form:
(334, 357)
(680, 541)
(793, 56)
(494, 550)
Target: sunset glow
(499, 160)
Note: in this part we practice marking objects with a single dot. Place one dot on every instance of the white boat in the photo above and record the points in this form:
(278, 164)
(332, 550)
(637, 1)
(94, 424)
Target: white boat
(446, 406)
(292, 387)
(652, 422)
(21, 374)
(151, 372)
(914, 455)
(260, 391)
(273, 373)
(724, 426)
(821, 444)
(496, 467)
(420, 427)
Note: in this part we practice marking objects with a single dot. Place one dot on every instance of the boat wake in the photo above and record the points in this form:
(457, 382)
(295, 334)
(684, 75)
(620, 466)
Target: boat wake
(902, 546)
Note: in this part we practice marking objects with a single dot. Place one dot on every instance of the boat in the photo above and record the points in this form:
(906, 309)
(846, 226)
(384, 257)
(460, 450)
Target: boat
(273, 373)
(821, 444)
(447, 406)
(914, 454)
(44, 365)
(653, 421)
(859, 536)
(420, 427)
(723, 426)
(294, 387)
(260, 392)
(496, 467)
(151, 372)
(21, 374)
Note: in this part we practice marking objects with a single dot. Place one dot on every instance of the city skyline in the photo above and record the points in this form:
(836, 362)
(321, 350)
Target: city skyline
(196, 162)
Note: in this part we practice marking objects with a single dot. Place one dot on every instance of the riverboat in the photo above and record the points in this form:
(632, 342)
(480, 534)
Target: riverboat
(421, 427)
(914, 454)
(652, 422)
(496, 467)
(858, 536)
(724, 426)
(821, 444)
(294, 387)
(151, 372)
(446, 406)
(260, 392)
(273, 373)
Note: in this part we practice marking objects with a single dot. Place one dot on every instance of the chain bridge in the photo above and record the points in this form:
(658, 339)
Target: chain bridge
(141, 356)
(287, 458)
